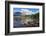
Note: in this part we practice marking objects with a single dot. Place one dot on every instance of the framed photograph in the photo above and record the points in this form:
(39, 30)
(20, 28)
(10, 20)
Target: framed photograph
(24, 17)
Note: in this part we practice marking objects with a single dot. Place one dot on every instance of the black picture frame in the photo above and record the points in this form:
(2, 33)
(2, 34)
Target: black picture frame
(7, 20)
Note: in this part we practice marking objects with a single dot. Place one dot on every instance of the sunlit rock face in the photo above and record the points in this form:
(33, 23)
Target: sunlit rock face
(26, 13)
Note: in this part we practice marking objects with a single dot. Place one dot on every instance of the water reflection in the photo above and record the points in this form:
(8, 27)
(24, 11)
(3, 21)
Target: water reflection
(18, 22)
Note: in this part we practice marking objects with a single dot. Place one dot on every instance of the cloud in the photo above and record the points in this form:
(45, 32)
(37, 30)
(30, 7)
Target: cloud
(26, 12)
(35, 12)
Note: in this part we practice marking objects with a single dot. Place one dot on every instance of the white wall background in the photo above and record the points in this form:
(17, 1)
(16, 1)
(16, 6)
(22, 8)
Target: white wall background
(2, 18)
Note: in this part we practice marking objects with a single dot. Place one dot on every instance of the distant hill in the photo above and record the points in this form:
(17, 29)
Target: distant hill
(17, 13)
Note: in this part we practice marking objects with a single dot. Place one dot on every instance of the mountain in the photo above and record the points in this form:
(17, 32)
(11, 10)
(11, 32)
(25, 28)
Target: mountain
(17, 13)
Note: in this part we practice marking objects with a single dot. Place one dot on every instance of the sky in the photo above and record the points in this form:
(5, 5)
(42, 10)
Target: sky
(29, 10)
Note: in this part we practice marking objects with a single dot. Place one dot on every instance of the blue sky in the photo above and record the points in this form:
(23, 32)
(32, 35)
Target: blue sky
(33, 10)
